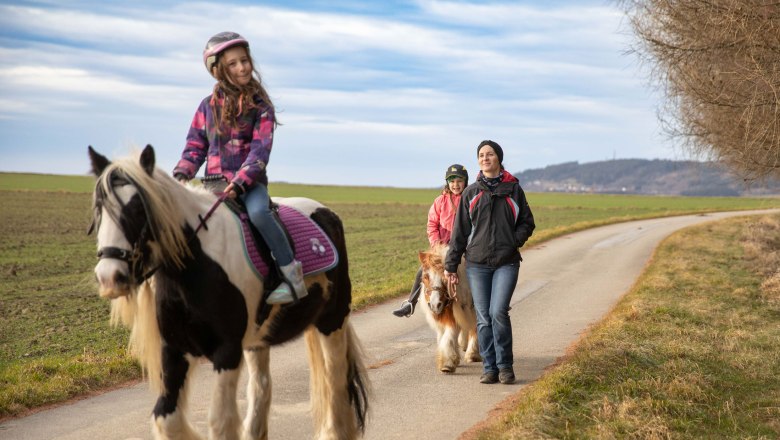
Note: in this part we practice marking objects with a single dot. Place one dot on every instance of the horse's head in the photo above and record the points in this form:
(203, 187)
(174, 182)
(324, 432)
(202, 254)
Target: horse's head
(434, 284)
(130, 234)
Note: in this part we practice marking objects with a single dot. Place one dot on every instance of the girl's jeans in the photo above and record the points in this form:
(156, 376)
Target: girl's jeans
(492, 288)
(256, 201)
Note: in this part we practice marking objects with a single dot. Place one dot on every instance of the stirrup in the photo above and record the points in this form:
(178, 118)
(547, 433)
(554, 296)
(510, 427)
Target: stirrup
(397, 312)
(286, 292)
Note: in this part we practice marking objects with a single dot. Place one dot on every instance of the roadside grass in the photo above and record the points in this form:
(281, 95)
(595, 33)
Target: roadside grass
(693, 351)
(55, 341)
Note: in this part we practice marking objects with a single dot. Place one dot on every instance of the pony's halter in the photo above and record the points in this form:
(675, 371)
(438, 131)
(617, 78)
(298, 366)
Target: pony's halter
(443, 292)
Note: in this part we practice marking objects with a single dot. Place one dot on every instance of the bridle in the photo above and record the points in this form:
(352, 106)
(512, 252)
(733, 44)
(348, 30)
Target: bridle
(444, 293)
(135, 258)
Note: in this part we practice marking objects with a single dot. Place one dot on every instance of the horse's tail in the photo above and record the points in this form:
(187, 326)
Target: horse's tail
(339, 383)
(139, 313)
(357, 378)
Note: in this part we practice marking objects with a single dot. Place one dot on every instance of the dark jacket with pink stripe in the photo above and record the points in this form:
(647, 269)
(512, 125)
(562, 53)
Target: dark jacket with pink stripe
(490, 226)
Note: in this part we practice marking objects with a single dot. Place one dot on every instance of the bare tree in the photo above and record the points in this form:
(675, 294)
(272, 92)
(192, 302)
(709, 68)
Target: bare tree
(718, 62)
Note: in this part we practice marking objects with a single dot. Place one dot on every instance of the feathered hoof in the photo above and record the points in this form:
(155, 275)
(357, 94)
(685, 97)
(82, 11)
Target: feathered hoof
(447, 369)
(473, 358)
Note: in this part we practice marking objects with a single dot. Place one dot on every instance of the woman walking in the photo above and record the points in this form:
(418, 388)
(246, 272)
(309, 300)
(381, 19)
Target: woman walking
(492, 222)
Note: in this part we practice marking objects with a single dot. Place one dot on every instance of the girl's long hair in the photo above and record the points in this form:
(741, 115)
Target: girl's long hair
(237, 99)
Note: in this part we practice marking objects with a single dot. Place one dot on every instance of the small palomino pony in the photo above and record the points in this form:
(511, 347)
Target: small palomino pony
(189, 292)
(451, 316)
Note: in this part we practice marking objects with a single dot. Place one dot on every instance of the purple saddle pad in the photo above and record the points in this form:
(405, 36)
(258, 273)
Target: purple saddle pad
(312, 247)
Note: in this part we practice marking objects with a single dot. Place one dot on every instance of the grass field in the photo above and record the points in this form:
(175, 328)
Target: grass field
(54, 336)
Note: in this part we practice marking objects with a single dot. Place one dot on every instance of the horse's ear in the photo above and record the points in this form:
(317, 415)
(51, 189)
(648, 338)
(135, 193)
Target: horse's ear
(423, 256)
(99, 162)
(147, 159)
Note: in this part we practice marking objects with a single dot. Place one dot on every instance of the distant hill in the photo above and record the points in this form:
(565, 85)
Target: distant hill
(642, 176)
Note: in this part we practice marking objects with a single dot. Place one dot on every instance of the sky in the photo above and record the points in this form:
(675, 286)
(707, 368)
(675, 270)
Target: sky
(384, 93)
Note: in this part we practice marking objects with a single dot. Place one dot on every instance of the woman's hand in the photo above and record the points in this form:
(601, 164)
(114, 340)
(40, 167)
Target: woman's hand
(452, 283)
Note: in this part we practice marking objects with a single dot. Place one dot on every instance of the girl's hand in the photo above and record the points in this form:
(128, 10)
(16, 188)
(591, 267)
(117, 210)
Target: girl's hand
(230, 191)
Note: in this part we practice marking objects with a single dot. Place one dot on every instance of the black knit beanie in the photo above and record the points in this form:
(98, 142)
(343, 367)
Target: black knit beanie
(496, 148)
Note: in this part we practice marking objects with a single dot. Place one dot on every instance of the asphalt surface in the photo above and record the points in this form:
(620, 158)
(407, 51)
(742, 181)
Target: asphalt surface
(565, 286)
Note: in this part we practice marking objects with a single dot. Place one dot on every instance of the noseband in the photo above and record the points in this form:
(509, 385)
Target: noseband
(134, 258)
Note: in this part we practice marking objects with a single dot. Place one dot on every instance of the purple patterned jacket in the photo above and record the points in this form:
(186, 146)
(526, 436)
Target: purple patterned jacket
(240, 154)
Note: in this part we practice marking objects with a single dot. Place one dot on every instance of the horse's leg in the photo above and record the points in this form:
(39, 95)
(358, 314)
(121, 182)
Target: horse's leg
(467, 321)
(258, 393)
(333, 391)
(448, 353)
(441, 353)
(472, 351)
(169, 420)
(224, 422)
(463, 339)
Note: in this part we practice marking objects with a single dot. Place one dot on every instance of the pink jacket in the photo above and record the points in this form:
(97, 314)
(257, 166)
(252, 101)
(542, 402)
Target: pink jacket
(441, 217)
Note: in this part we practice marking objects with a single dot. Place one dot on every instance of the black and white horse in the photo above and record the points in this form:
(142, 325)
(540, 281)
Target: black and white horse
(189, 293)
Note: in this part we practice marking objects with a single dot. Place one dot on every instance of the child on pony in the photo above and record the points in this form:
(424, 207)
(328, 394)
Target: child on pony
(232, 132)
(441, 217)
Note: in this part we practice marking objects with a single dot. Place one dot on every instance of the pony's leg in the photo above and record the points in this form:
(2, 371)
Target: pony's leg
(448, 352)
(463, 339)
(258, 393)
(169, 420)
(467, 321)
(224, 422)
(472, 351)
(338, 393)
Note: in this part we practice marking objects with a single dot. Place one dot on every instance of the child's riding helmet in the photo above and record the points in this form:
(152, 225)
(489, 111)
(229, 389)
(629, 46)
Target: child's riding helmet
(217, 44)
(457, 170)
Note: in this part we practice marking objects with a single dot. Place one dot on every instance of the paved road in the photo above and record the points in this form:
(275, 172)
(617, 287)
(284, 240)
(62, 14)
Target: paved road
(565, 285)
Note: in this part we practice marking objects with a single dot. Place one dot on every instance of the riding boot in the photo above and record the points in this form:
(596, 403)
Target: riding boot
(292, 287)
(407, 307)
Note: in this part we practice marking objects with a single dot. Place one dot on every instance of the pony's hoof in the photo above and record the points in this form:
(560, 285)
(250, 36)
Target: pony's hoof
(447, 369)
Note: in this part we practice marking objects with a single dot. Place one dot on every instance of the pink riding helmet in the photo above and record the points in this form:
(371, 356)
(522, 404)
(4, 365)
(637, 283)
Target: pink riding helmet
(217, 44)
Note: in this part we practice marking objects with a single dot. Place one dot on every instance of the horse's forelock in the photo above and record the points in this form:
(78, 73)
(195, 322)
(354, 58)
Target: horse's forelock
(157, 194)
(105, 196)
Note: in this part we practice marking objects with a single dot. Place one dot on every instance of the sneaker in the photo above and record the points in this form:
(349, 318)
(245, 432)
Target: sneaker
(506, 376)
(406, 310)
(292, 279)
(488, 377)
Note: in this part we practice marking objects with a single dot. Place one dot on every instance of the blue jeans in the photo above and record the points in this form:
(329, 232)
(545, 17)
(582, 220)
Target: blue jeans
(492, 289)
(256, 201)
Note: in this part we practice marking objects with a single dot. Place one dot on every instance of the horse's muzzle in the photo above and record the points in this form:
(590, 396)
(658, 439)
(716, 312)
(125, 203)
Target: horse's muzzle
(112, 282)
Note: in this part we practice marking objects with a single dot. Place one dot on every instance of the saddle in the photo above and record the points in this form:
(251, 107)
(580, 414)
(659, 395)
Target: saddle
(310, 244)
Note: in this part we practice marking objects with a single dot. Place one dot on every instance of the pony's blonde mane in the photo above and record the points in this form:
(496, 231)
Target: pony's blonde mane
(165, 219)
(138, 312)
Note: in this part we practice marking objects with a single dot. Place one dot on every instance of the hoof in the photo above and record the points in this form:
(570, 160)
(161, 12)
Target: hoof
(447, 370)
(474, 358)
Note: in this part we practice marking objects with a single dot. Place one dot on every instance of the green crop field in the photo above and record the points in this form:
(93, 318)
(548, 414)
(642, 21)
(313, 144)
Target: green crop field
(55, 341)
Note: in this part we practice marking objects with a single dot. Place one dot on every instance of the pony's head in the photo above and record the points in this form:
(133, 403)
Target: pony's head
(138, 226)
(434, 283)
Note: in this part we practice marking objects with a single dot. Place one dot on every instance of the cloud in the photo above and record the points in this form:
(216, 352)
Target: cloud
(383, 82)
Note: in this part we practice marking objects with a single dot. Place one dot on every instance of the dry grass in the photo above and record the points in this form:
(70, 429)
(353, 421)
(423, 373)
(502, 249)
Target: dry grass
(693, 351)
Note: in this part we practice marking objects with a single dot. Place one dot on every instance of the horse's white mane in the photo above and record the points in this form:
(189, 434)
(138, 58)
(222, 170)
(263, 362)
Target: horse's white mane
(159, 194)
